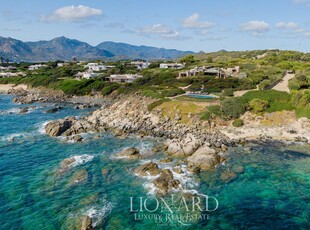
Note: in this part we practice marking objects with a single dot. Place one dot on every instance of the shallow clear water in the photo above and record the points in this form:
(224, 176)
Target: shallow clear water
(273, 192)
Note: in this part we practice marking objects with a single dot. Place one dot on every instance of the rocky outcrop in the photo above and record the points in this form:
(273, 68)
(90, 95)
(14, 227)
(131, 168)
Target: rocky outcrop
(29, 96)
(54, 110)
(130, 153)
(204, 159)
(165, 183)
(56, 128)
(148, 169)
(66, 164)
(68, 127)
(86, 223)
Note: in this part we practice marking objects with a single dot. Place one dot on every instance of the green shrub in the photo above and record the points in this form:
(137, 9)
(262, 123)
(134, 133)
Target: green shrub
(258, 106)
(215, 110)
(228, 92)
(232, 108)
(264, 84)
(205, 116)
(109, 89)
(277, 100)
(238, 122)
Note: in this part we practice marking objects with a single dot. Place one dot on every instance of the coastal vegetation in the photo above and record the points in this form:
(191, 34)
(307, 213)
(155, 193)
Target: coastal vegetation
(263, 70)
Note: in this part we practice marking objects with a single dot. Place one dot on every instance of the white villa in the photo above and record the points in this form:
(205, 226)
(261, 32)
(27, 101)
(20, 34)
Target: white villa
(123, 77)
(7, 68)
(87, 74)
(171, 66)
(36, 66)
(140, 64)
(97, 67)
(9, 74)
(62, 64)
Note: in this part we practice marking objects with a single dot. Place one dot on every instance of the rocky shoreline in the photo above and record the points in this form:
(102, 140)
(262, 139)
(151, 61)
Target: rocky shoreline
(199, 145)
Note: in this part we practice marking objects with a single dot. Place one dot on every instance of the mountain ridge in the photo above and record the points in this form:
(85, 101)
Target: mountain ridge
(62, 48)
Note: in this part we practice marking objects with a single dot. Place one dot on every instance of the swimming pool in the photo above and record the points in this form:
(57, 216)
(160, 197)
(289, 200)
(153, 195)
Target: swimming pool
(200, 96)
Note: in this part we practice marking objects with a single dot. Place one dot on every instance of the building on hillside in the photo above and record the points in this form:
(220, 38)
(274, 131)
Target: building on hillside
(62, 64)
(97, 67)
(214, 71)
(123, 77)
(86, 75)
(204, 70)
(7, 68)
(140, 64)
(37, 66)
(9, 74)
(171, 66)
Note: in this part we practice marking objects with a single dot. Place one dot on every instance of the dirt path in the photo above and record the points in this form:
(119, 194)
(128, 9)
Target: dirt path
(242, 92)
(283, 85)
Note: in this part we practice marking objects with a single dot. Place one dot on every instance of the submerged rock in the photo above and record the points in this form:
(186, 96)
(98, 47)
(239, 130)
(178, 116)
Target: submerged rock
(23, 110)
(78, 177)
(228, 176)
(148, 169)
(131, 153)
(66, 164)
(54, 110)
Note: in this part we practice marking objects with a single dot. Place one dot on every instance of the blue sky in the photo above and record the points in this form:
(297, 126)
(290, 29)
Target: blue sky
(198, 25)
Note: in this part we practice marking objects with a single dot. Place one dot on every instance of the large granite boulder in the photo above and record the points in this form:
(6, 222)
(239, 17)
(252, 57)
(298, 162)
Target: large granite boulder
(56, 128)
(204, 158)
(130, 153)
(165, 182)
(148, 169)
(86, 223)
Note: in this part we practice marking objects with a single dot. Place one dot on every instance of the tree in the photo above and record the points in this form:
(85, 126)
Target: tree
(232, 108)
(188, 59)
(258, 106)
(2, 60)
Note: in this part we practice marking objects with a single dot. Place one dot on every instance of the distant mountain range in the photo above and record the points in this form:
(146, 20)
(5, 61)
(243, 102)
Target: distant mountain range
(65, 49)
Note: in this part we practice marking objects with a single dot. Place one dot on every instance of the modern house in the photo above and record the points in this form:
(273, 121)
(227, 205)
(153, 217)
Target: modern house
(214, 71)
(171, 66)
(9, 74)
(97, 67)
(7, 68)
(140, 64)
(123, 77)
(86, 75)
(62, 64)
(36, 66)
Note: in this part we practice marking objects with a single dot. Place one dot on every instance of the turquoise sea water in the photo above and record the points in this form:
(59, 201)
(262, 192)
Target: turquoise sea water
(273, 192)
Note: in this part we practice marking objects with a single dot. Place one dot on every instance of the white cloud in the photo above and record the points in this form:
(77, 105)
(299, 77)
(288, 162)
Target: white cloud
(160, 30)
(255, 27)
(192, 22)
(287, 26)
(73, 14)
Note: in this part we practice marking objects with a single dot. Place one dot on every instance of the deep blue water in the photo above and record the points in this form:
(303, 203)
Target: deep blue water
(273, 192)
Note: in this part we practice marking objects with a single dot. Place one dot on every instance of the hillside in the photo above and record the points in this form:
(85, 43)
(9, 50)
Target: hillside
(65, 49)
(141, 52)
